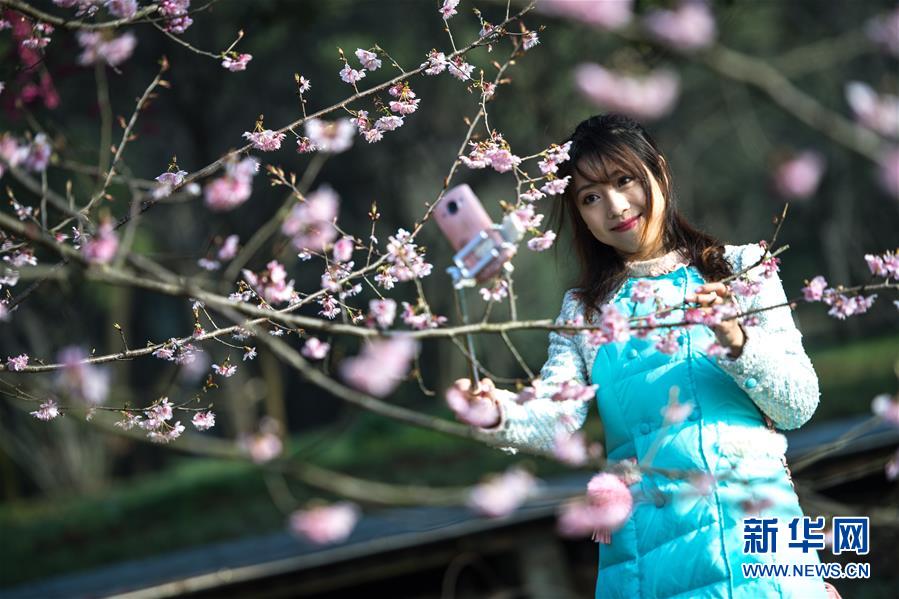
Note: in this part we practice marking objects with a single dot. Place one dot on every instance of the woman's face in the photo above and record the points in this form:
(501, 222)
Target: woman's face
(615, 210)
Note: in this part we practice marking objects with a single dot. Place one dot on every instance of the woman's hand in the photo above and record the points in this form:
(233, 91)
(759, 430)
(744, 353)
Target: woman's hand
(478, 406)
(728, 332)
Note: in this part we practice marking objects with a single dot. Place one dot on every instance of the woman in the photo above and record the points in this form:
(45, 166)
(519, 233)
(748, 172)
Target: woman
(685, 536)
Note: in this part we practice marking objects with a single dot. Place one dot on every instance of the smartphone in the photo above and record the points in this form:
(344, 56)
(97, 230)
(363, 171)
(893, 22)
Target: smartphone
(466, 224)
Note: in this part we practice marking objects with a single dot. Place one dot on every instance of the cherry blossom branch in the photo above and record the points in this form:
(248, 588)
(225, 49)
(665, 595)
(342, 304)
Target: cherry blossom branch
(218, 163)
(74, 24)
(270, 227)
(126, 134)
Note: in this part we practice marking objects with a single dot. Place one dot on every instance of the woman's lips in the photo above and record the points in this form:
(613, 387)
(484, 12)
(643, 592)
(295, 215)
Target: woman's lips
(628, 224)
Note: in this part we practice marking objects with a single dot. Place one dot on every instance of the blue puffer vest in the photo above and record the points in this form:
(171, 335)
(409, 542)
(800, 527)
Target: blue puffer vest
(680, 541)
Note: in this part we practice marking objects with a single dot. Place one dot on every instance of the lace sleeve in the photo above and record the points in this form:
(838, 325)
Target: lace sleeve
(773, 368)
(535, 423)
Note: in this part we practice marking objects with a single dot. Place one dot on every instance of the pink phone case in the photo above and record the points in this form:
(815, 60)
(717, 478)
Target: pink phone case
(461, 217)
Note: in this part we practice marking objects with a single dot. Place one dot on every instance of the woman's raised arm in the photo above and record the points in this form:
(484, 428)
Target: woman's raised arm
(536, 422)
(773, 368)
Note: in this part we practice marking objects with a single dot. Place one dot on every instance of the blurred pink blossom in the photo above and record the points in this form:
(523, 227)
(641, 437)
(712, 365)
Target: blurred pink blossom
(887, 407)
(542, 242)
(98, 47)
(48, 410)
(203, 420)
(608, 492)
(234, 188)
(608, 14)
(271, 283)
(330, 136)
(83, 380)
(877, 112)
(314, 349)
(814, 289)
(883, 30)
(477, 408)
(502, 494)
(101, 248)
(799, 176)
(381, 365)
(325, 524)
(646, 97)
(690, 26)
(311, 222)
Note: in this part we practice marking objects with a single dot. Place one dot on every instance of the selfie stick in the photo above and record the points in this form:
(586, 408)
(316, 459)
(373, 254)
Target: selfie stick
(488, 249)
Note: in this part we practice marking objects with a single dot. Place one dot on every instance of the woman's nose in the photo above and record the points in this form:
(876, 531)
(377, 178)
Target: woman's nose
(617, 203)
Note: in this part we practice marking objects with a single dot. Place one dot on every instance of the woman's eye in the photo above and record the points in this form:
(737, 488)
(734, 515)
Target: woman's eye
(587, 197)
(624, 180)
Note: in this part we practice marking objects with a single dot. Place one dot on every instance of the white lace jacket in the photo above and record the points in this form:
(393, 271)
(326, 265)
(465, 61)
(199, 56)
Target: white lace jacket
(773, 368)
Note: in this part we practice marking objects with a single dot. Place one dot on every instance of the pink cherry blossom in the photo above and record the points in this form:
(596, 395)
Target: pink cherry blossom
(330, 136)
(81, 379)
(527, 217)
(459, 69)
(570, 448)
(883, 30)
(843, 306)
(501, 159)
(573, 391)
(249, 353)
(556, 186)
(406, 260)
(271, 283)
(167, 182)
(886, 407)
(47, 411)
(646, 97)
(532, 195)
(311, 222)
(529, 40)
(798, 177)
(689, 27)
(226, 370)
(381, 365)
(420, 318)
(325, 524)
(101, 248)
(437, 63)
(382, 311)
(229, 248)
(892, 466)
(330, 308)
(814, 289)
(350, 75)
(263, 446)
(543, 242)
(404, 106)
(236, 62)
(608, 492)
(668, 342)
(448, 9)
(676, 412)
(343, 249)
(608, 14)
(97, 48)
(38, 156)
(234, 188)
(477, 408)
(265, 140)
(203, 420)
(877, 112)
(497, 292)
(502, 494)
(642, 291)
(745, 287)
(123, 9)
(389, 123)
(368, 59)
(884, 265)
(314, 349)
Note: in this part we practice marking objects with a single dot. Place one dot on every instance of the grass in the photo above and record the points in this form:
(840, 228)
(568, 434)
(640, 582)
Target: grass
(200, 501)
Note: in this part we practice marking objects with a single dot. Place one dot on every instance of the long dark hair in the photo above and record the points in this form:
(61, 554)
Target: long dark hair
(611, 140)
